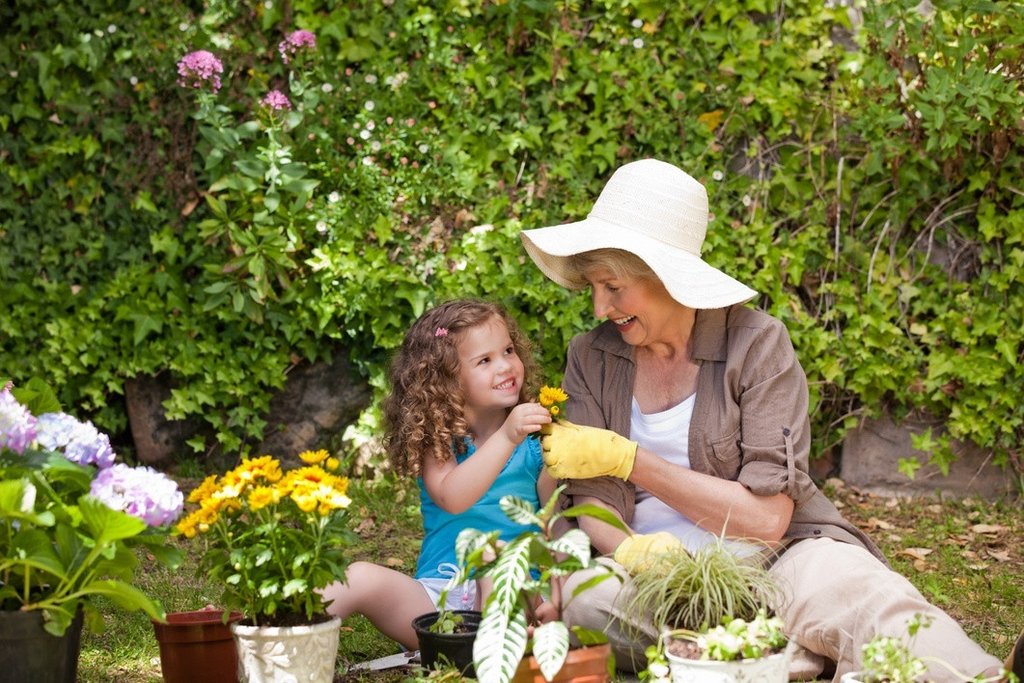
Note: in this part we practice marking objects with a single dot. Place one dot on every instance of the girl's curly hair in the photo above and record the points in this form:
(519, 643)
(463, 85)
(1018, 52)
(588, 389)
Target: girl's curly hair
(423, 414)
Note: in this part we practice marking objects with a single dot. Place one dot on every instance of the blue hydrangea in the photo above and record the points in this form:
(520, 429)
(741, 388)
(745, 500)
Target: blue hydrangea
(80, 442)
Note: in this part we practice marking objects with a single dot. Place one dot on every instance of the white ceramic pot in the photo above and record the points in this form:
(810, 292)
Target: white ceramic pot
(771, 669)
(852, 677)
(287, 654)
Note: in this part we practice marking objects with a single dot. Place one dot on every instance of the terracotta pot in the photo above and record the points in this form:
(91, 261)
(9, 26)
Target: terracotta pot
(582, 665)
(285, 654)
(197, 647)
(450, 648)
(29, 653)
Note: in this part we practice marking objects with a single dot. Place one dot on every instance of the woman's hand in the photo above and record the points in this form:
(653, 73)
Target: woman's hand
(575, 452)
(640, 551)
(523, 420)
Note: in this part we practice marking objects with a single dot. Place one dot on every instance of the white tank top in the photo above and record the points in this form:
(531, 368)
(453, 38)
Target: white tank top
(668, 434)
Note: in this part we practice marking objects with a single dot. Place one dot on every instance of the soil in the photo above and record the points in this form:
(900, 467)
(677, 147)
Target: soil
(687, 649)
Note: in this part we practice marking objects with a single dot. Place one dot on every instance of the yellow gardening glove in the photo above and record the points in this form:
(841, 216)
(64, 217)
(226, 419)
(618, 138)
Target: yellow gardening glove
(576, 452)
(639, 551)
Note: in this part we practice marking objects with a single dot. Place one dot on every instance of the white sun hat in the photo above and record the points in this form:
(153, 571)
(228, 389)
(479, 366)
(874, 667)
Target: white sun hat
(656, 211)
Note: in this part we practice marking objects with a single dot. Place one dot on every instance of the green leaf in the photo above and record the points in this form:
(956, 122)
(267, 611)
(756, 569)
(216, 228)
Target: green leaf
(34, 548)
(597, 512)
(107, 525)
(124, 595)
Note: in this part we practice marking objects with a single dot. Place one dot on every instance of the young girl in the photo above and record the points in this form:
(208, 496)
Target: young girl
(457, 419)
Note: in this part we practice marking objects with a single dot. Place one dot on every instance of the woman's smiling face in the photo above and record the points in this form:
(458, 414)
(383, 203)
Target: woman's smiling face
(641, 308)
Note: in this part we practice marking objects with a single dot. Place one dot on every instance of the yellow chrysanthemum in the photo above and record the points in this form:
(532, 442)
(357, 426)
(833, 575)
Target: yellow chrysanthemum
(332, 464)
(314, 457)
(200, 492)
(307, 502)
(549, 396)
(262, 496)
(554, 410)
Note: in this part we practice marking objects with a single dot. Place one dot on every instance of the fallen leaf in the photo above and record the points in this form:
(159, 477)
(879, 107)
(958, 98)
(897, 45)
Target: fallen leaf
(935, 508)
(987, 528)
(366, 526)
(978, 567)
(916, 553)
(394, 562)
(1001, 555)
(875, 523)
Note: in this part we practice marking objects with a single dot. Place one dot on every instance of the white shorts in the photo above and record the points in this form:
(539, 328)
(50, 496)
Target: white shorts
(461, 596)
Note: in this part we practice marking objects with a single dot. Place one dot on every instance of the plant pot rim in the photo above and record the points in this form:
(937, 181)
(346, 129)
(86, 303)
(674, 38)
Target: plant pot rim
(270, 631)
(784, 652)
(199, 616)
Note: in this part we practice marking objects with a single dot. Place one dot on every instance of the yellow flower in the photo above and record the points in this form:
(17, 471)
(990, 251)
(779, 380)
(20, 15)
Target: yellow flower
(549, 396)
(332, 464)
(262, 496)
(314, 457)
(306, 501)
(554, 410)
(200, 492)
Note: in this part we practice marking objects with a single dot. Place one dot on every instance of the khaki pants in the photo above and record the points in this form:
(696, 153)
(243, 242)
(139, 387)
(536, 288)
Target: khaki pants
(837, 596)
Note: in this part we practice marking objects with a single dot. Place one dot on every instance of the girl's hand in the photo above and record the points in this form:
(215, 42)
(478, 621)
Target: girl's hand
(525, 419)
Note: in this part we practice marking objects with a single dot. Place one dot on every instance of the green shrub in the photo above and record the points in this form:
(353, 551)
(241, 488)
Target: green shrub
(863, 175)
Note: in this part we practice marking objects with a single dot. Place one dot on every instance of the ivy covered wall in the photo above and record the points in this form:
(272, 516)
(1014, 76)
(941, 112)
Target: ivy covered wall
(863, 166)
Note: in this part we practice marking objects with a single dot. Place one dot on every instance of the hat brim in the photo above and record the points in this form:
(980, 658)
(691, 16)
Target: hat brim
(688, 279)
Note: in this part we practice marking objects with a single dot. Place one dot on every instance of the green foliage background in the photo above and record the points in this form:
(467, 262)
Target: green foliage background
(863, 166)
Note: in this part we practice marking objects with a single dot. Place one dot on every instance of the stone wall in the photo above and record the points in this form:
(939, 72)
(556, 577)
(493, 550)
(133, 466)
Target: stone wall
(871, 455)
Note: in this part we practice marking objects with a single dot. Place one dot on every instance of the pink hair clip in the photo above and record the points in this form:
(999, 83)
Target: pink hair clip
(441, 332)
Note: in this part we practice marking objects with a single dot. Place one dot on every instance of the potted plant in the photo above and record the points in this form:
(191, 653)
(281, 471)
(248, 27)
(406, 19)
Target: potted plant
(735, 650)
(70, 521)
(272, 539)
(888, 659)
(446, 638)
(712, 606)
(511, 644)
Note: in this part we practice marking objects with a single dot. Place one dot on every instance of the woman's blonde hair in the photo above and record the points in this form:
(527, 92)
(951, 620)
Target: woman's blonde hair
(423, 413)
(622, 264)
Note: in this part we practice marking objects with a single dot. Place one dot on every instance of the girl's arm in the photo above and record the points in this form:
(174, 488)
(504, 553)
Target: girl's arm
(457, 487)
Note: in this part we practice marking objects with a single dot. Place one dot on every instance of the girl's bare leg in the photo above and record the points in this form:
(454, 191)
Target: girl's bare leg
(388, 598)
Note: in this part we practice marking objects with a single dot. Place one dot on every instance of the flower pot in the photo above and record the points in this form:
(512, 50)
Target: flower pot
(197, 647)
(771, 669)
(582, 665)
(29, 653)
(450, 648)
(285, 654)
(852, 677)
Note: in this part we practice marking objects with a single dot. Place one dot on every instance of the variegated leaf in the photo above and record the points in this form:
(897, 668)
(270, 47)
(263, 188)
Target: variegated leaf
(470, 540)
(509, 573)
(500, 644)
(519, 510)
(575, 543)
(550, 647)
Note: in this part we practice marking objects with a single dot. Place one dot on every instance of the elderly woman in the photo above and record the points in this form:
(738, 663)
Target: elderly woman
(689, 418)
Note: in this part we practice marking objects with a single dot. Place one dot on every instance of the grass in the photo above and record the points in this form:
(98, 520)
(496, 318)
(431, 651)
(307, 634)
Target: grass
(964, 555)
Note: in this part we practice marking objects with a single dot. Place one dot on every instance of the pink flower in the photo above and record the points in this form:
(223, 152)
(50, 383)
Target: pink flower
(200, 67)
(441, 332)
(275, 99)
(295, 41)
